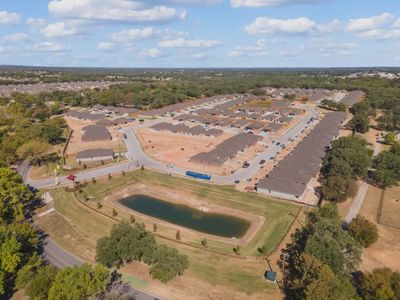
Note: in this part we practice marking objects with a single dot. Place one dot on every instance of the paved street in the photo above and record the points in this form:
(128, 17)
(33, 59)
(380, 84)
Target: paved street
(137, 158)
(135, 151)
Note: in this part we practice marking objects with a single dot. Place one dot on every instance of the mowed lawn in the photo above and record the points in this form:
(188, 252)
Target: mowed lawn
(278, 214)
(77, 228)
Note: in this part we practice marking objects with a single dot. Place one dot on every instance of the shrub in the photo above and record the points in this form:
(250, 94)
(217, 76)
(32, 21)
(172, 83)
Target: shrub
(363, 231)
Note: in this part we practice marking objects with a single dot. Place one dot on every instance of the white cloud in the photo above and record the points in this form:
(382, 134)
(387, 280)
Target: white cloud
(35, 22)
(136, 34)
(105, 46)
(49, 47)
(301, 25)
(16, 37)
(121, 10)
(266, 25)
(8, 18)
(371, 23)
(153, 53)
(259, 49)
(397, 23)
(270, 3)
(60, 30)
(381, 34)
(189, 43)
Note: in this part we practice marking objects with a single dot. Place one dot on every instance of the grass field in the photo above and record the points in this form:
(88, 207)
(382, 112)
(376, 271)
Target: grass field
(77, 227)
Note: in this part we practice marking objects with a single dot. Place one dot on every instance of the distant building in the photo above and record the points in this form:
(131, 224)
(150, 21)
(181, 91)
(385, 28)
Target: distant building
(92, 155)
(94, 133)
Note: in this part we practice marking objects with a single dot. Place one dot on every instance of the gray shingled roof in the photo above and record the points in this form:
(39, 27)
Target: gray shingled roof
(84, 115)
(353, 97)
(93, 153)
(95, 133)
(226, 150)
(293, 173)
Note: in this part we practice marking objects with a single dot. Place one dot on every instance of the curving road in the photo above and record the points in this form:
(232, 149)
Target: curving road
(135, 151)
(60, 258)
(137, 157)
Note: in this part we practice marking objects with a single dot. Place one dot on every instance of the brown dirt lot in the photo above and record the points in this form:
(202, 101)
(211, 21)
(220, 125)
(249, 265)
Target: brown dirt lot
(386, 251)
(167, 147)
(76, 145)
(390, 214)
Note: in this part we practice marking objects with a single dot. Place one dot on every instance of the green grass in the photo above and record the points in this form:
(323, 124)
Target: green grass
(278, 214)
(135, 281)
(77, 228)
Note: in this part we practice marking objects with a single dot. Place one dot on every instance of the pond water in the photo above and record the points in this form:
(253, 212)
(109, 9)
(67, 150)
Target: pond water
(185, 216)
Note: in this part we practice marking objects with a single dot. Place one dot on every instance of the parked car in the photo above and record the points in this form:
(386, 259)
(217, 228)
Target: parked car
(237, 181)
(262, 161)
(246, 165)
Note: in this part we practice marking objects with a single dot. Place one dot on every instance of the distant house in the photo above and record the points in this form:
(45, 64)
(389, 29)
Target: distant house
(92, 155)
(94, 133)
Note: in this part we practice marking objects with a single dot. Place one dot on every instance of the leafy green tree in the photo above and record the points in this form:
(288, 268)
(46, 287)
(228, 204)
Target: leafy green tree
(26, 273)
(315, 280)
(381, 284)
(79, 282)
(363, 231)
(338, 189)
(168, 264)
(39, 285)
(359, 123)
(390, 138)
(34, 151)
(351, 151)
(387, 167)
(14, 196)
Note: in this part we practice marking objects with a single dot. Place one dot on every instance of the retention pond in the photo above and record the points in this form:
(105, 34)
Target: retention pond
(186, 216)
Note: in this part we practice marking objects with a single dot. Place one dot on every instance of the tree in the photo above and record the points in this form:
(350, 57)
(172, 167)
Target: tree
(79, 282)
(39, 285)
(315, 280)
(359, 123)
(363, 231)
(321, 252)
(168, 264)
(126, 243)
(347, 154)
(34, 151)
(382, 284)
(390, 138)
(387, 167)
(338, 189)
(14, 196)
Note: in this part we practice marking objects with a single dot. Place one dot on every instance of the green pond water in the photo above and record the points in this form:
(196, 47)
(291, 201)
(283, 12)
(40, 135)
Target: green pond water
(185, 216)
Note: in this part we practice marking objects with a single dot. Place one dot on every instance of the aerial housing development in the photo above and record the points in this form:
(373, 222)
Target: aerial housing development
(201, 150)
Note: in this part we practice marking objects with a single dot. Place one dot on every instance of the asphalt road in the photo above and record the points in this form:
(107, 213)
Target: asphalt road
(136, 152)
(59, 257)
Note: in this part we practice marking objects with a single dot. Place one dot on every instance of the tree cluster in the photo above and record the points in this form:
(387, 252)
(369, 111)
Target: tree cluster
(127, 243)
(22, 136)
(333, 105)
(321, 258)
(347, 160)
(387, 166)
(19, 240)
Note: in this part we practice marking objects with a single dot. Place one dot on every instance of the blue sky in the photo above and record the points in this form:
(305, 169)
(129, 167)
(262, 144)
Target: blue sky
(200, 33)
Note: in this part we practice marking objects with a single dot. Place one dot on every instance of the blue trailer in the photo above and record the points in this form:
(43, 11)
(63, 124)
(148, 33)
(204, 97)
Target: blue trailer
(198, 175)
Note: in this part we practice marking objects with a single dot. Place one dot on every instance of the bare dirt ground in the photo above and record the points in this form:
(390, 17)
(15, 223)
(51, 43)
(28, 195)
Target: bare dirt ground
(256, 221)
(167, 147)
(76, 145)
(386, 251)
(180, 287)
(390, 214)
